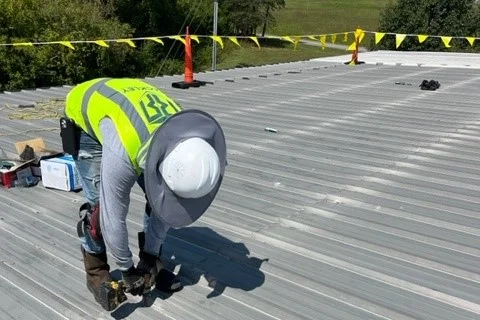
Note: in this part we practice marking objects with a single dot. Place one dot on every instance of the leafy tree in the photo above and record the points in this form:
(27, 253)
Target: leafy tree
(159, 18)
(63, 20)
(149, 17)
(430, 17)
(270, 6)
(198, 14)
(47, 65)
(241, 17)
(244, 17)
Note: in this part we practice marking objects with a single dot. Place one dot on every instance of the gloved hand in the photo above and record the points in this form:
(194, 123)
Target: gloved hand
(163, 279)
(134, 281)
(156, 275)
(148, 267)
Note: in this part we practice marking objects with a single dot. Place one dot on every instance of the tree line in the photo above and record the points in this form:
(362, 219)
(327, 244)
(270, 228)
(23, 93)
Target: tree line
(64, 20)
(456, 18)
(56, 20)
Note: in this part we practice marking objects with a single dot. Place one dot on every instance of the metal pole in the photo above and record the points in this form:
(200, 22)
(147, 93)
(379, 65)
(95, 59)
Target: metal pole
(215, 23)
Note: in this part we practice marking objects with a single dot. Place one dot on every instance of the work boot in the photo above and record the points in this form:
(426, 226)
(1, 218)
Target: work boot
(99, 280)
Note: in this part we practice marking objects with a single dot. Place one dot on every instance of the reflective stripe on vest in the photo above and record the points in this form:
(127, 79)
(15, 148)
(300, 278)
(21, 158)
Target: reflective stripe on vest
(119, 99)
(86, 98)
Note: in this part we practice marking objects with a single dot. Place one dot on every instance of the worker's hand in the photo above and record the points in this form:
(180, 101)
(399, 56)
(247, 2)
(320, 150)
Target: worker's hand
(148, 267)
(134, 281)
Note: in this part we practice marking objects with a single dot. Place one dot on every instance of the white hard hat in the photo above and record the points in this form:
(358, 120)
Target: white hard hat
(191, 169)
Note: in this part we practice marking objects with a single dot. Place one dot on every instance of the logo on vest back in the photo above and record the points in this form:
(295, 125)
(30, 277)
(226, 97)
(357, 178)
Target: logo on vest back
(154, 109)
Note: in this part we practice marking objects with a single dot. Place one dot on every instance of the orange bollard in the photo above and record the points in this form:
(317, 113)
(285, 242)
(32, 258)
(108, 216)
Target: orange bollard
(354, 60)
(188, 80)
(188, 73)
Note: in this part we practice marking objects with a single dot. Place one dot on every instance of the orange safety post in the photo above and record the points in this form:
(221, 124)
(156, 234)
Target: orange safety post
(354, 61)
(188, 80)
(188, 74)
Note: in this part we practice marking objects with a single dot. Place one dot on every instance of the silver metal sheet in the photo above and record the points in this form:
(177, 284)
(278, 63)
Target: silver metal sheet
(363, 205)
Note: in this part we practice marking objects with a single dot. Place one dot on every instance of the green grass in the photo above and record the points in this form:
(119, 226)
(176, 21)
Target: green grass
(307, 17)
(271, 51)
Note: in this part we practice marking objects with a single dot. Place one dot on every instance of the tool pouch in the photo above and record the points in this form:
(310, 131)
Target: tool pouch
(89, 221)
(70, 134)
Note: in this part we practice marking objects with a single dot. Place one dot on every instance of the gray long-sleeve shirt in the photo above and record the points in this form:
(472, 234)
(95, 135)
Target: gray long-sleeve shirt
(118, 176)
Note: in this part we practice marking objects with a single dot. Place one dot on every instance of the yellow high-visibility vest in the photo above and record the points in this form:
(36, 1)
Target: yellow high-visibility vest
(135, 107)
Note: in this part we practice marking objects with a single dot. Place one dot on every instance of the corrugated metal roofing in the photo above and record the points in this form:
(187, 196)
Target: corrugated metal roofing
(412, 58)
(364, 204)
